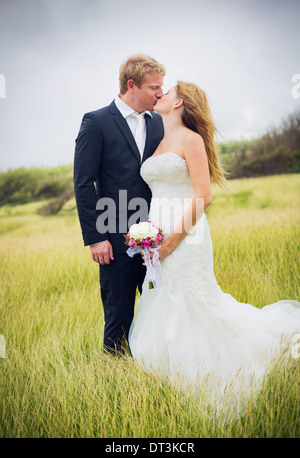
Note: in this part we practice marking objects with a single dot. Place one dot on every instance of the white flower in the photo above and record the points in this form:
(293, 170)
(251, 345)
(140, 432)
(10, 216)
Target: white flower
(141, 231)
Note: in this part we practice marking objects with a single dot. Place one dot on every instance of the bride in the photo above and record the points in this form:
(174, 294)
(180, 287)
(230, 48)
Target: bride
(188, 329)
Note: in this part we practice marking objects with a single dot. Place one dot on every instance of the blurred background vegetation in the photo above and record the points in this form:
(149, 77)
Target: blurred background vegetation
(276, 152)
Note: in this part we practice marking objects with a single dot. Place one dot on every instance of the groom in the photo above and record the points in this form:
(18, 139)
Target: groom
(112, 144)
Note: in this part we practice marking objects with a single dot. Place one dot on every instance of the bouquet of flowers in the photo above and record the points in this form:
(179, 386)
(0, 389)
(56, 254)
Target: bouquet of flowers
(144, 238)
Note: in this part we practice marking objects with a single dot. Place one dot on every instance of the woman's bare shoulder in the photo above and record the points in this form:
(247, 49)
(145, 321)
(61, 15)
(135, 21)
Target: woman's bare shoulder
(193, 142)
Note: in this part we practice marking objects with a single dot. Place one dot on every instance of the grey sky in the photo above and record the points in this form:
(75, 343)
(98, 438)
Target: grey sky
(61, 58)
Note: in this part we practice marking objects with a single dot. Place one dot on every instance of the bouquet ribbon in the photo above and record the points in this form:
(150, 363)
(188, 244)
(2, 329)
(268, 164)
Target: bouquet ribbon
(153, 268)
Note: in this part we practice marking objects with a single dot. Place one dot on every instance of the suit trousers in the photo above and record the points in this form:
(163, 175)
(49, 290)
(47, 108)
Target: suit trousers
(119, 281)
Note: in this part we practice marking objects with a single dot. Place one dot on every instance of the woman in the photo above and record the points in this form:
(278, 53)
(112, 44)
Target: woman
(189, 328)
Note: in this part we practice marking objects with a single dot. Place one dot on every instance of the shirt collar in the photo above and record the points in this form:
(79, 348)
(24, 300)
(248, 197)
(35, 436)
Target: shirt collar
(125, 109)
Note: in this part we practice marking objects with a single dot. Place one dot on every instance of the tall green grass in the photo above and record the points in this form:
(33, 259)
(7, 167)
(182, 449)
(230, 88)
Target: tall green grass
(55, 380)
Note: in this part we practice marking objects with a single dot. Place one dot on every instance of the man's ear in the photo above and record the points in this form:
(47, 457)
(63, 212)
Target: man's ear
(130, 86)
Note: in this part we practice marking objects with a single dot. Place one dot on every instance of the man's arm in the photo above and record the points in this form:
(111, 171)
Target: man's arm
(88, 154)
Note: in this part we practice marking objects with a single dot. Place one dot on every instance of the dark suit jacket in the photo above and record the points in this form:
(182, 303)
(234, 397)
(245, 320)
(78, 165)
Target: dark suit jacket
(107, 156)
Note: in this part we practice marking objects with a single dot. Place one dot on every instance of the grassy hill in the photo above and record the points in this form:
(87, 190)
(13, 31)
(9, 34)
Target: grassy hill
(275, 152)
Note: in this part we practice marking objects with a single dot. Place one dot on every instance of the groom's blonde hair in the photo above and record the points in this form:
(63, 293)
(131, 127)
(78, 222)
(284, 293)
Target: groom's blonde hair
(135, 68)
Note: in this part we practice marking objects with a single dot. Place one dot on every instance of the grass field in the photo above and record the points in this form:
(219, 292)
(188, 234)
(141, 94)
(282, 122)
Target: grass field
(56, 382)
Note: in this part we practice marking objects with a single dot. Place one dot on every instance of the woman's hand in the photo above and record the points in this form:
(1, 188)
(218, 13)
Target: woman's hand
(163, 252)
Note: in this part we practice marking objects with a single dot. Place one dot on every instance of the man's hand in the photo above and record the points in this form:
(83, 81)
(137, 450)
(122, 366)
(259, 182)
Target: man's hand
(102, 252)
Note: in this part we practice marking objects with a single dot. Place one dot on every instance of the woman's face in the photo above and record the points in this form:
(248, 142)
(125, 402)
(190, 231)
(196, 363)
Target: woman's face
(166, 103)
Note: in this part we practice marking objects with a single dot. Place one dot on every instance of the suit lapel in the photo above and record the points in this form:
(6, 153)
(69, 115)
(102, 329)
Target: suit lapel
(123, 126)
(148, 137)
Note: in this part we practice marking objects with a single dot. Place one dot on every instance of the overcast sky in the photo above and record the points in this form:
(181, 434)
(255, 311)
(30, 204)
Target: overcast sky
(61, 58)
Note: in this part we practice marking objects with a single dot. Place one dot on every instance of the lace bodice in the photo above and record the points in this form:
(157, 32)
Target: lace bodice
(172, 191)
(167, 176)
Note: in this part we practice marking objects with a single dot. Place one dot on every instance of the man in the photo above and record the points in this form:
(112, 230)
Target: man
(111, 145)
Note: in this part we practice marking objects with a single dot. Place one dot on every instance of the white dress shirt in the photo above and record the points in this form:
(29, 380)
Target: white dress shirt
(126, 111)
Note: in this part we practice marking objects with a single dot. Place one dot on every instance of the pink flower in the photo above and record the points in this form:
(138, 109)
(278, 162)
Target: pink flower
(158, 238)
(147, 242)
(131, 242)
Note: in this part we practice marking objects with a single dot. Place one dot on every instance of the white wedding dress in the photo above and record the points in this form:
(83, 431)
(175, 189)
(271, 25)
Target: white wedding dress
(190, 328)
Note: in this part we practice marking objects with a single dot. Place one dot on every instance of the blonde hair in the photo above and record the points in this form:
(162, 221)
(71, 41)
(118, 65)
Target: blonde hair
(197, 117)
(135, 68)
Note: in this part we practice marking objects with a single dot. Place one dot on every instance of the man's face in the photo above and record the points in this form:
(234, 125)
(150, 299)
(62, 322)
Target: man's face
(146, 96)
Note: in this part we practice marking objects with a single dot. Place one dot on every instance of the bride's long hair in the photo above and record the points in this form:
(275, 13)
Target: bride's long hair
(197, 117)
